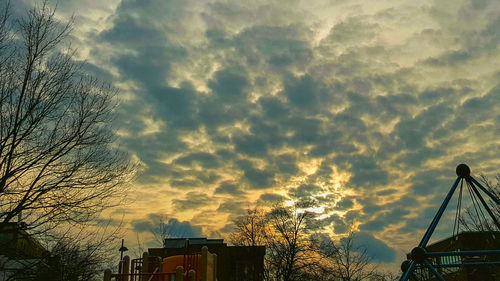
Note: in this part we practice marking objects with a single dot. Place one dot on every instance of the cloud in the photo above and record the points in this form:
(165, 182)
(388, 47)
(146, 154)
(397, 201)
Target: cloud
(173, 227)
(305, 93)
(229, 188)
(352, 31)
(250, 145)
(258, 178)
(271, 197)
(376, 105)
(192, 200)
(279, 46)
(375, 248)
(206, 160)
(229, 84)
(305, 191)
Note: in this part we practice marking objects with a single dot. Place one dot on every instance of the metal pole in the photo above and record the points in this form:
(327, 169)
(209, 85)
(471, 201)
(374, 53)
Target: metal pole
(464, 253)
(121, 250)
(491, 195)
(433, 271)
(408, 272)
(437, 217)
(485, 205)
(467, 264)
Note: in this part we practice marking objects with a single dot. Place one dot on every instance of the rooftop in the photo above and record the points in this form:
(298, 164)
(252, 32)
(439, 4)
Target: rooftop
(178, 243)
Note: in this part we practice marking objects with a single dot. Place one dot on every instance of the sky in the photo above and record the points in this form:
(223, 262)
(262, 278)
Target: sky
(363, 108)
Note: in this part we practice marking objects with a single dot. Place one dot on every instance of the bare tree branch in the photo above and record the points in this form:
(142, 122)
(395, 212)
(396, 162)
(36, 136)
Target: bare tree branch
(58, 160)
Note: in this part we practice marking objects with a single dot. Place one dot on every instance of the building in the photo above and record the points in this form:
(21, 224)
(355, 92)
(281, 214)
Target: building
(16, 243)
(20, 253)
(464, 241)
(234, 263)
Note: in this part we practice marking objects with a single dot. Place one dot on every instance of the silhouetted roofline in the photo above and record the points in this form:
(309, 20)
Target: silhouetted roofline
(463, 233)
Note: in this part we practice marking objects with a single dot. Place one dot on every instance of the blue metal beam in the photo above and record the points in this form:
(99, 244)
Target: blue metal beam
(464, 253)
(491, 195)
(466, 264)
(406, 275)
(437, 217)
(433, 271)
(485, 205)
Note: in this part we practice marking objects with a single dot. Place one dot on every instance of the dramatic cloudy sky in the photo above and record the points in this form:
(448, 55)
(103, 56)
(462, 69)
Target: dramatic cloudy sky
(363, 108)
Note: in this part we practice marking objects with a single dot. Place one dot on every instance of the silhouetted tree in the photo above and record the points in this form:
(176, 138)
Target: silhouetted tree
(347, 261)
(81, 256)
(59, 164)
(250, 229)
(163, 228)
(289, 248)
(475, 219)
(58, 161)
(294, 251)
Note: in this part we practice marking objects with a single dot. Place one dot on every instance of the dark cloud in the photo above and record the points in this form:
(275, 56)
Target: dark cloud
(428, 182)
(151, 65)
(353, 30)
(271, 197)
(306, 93)
(305, 190)
(228, 228)
(375, 248)
(192, 200)
(176, 105)
(366, 172)
(206, 160)
(345, 203)
(218, 37)
(384, 219)
(386, 192)
(340, 226)
(213, 111)
(279, 46)
(184, 183)
(251, 145)
(230, 84)
(286, 164)
(414, 131)
(235, 208)
(229, 188)
(273, 108)
(173, 227)
(150, 149)
(257, 178)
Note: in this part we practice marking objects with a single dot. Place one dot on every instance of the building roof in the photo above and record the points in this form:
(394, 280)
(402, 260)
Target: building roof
(16, 242)
(471, 240)
(178, 243)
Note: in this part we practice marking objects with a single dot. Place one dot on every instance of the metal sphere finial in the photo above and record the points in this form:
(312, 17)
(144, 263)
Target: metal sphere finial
(405, 265)
(418, 254)
(463, 171)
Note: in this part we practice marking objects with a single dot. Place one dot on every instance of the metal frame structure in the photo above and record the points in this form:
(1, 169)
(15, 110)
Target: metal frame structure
(419, 256)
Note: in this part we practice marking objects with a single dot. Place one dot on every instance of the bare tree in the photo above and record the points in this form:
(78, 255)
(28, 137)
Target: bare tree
(290, 251)
(58, 160)
(81, 256)
(76, 254)
(250, 229)
(347, 261)
(475, 218)
(4, 16)
(163, 228)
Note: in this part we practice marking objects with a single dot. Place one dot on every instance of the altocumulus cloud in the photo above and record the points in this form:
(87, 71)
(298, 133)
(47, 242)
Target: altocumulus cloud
(364, 112)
